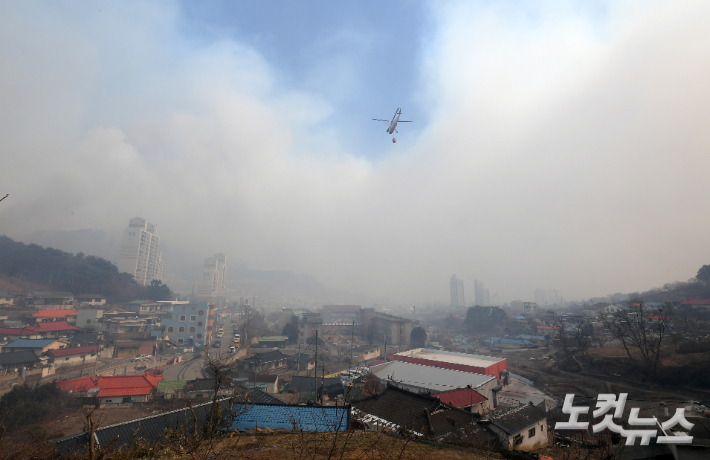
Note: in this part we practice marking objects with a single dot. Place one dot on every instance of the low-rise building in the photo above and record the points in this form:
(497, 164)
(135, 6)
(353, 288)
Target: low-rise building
(261, 363)
(393, 330)
(94, 300)
(466, 398)
(189, 325)
(477, 364)
(66, 357)
(523, 427)
(38, 346)
(114, 389)
(273, 341)
(425, 379)
(68, 315)
(13, 362)
(308, 325)
(89, 318)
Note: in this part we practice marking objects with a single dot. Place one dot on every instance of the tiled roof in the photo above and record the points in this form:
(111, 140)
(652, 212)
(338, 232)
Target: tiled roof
(300, 418)
(54, 326)
(74, 351)
(304, 384)
(696, 302)
(105, 392)
(461, 398)
(266, 357)
(512, 422)
(19, 357)
(11, 330)
(80, 384)
(258, 396)
(269, 378)
(422, 414)
(54, 313)
(29, 343)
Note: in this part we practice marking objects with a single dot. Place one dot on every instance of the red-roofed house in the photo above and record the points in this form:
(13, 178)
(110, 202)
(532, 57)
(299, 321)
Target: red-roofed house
(43, 316)
(464, 398)
(77, 385)
(115, 389)
(696, 303)
(73, 356)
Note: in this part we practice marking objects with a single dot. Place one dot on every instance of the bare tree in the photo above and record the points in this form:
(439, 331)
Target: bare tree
(563, 335)
(642, 329)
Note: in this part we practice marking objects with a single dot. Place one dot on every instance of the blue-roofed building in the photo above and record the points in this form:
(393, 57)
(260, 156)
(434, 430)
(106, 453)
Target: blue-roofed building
(298, 418)
(38, 346)
(530, 337)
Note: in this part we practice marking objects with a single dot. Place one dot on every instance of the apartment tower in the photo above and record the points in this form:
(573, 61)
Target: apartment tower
(457, 299)
(140, 252)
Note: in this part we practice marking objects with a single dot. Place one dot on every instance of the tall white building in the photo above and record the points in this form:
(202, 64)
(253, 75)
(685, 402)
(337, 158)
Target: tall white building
(140, 252)
(456, 286)
(214, 277)
(481, 294)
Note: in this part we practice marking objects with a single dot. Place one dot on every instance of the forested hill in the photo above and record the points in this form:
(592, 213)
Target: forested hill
(78, 274)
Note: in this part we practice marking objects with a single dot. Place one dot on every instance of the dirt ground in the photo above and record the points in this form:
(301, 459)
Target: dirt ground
(73, 422)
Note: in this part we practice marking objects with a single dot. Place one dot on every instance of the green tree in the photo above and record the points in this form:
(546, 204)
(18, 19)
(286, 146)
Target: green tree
(291, 331)
(481, 319)
(704, 274)
(418, 337)
(157, 291)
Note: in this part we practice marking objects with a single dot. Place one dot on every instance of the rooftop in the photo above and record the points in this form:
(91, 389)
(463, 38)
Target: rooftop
(513, 421)
(74, 351)
(451, 357)
(432, 378)
(19, 357)
(54, 313)
(461, 398)
(301, 418)
(29, 343)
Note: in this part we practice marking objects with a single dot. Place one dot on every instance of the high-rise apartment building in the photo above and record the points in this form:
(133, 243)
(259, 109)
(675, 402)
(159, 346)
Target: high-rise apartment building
(214, 278)
(140, 252)
(457, 298)
(480, 293)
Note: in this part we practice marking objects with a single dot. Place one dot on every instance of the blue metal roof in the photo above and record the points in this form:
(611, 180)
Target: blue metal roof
(300, 418)
(29, 343)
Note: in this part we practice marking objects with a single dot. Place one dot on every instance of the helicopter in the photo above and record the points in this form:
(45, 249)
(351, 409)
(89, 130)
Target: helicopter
(392, 128)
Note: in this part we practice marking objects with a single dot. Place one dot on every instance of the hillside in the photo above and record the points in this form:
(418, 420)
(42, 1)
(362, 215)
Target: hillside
(29, 266)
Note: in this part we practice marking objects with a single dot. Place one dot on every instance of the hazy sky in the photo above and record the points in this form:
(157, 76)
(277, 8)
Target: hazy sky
(554, 145)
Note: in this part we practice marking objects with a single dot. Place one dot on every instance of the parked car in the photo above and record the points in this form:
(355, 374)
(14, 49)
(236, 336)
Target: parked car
(217, 344)
(232, 349)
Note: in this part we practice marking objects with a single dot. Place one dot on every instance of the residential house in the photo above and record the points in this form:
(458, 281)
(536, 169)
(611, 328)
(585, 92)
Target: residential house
(530, 308)
(114, 389)
(263, 362)
(94, 300)
(89, 318)
(273, 341)
(68, 315)
(57, 300)
(131, 348)
(593, 311)
(310, 388)
(7, 298)
(266, 382)
(12, 362)
(366, 353)
(38, 346)
(39, 331)
(291, 418)
(76, 356)
(301, 362)
(523, 427)
(499, 342)
(397, 409)
(172, 389)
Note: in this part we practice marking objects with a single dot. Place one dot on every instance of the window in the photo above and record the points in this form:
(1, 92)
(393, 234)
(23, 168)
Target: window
(181, 329)
(182, 318)
(200, 313)
(199, 324)
(199, 336)
(209, 328)
(180, 341)
(171, 329)
(88, 321)
(193, 318)
(192, 329)
(531, 433)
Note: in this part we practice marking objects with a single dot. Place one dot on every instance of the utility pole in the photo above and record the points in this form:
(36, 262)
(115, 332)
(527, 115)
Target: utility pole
(315, 374)
(81, 372)
(322, 384)
(352, 339)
